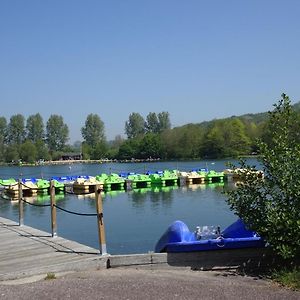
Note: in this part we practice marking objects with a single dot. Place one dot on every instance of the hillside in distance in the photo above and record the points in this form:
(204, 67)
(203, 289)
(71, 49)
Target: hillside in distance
(257, 118)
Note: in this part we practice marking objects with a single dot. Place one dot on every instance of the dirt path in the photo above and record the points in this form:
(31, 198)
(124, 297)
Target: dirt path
(146, 283)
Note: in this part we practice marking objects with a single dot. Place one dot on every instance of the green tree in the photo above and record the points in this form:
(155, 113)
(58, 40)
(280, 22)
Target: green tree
(169, 144)
(182, 142)
(93, 131)
(150, 146)
(3, 129)
(86, 151)
(99, 150)
(57, 133)
(152, 124)
(272, 206)
(35, 128)
(28, 152)
(253, 132)
(236, 142)
(16, 129)
(164, 121)
(11, 153)
(213, 145)
(42, 151)
(189, 141)
(135, 126)
(114, 147)
(129, 149)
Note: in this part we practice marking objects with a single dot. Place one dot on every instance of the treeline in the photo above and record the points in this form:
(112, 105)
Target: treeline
(216, 139)
(32, 140)
(29, 140)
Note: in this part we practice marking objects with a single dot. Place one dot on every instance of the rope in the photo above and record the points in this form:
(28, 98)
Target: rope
(75, 213)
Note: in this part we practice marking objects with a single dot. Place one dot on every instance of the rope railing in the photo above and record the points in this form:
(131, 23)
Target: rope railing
(75, 213)
(34, 204)
(54, 206)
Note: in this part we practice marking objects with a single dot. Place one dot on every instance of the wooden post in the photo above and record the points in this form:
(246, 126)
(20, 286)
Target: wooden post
(53, 209)
(100, 222)
(21, 211)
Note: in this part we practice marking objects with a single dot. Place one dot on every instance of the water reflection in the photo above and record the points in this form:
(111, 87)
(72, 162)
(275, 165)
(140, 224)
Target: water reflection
(111, 194)
(219, 186)
(157, 195)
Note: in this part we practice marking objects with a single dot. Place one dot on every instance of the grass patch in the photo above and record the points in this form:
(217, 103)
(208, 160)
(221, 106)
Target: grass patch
(288, 278)
(50, 276)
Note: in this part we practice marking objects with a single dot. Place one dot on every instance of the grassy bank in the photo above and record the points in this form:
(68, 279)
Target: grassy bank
(287, 277)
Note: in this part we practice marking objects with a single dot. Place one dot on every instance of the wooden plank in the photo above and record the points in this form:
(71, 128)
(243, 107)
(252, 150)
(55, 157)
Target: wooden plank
(26, 251)
(43, 259)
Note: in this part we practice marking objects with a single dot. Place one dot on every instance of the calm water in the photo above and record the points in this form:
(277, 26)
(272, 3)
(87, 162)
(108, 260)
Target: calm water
(134, 220)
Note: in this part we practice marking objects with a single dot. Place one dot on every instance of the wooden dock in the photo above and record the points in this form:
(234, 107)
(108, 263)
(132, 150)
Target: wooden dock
(25, 251)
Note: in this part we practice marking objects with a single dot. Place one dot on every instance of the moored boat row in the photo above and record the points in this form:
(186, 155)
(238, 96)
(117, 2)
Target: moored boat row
(30, 186)
(113, 181)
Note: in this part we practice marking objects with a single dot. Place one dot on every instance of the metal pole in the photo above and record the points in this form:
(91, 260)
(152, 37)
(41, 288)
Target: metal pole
(100, 221)
(53, 209)
(21, 211)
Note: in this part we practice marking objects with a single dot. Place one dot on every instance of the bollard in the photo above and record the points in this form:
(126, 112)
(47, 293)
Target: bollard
(53, 209)
(21, 211)
(100, 221)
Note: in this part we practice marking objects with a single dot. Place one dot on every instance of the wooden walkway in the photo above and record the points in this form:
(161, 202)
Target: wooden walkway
(25, 251)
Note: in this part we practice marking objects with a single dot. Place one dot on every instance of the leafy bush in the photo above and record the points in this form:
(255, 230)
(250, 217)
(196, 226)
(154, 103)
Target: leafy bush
(271, 206)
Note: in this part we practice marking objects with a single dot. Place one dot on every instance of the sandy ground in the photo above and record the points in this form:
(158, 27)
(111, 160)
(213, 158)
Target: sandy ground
(145, 283)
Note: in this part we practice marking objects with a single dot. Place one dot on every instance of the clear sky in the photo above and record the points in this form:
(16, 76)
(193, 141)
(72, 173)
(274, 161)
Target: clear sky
(196, 59)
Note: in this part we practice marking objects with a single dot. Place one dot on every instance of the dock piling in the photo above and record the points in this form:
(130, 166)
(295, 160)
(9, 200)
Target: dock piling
(100, 221)
(21, 211)
(53, 209)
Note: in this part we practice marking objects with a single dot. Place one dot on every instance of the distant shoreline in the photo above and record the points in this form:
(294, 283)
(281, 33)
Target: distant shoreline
(82, 161)
(101, 161)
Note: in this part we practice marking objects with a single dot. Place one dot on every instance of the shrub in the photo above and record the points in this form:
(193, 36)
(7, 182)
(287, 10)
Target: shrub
(271, 206)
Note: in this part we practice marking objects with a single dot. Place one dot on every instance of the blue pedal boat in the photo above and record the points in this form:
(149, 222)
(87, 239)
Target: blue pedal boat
(178, 238)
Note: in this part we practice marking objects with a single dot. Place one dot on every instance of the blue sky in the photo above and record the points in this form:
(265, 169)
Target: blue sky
(198, 60)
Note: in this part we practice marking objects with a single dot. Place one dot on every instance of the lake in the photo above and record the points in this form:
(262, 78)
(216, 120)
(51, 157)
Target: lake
(134, 220)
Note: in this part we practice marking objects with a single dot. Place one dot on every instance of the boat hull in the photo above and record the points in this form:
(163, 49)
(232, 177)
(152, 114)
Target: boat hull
(178, 238)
